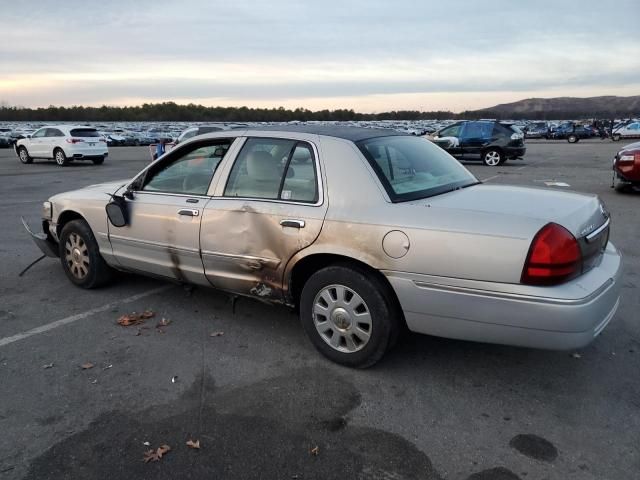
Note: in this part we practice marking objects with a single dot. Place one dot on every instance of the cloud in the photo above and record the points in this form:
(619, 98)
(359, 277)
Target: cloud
(288, 51)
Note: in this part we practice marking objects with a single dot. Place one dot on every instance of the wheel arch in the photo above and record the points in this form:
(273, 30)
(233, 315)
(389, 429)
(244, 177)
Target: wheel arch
(308, 265)
(65, 217)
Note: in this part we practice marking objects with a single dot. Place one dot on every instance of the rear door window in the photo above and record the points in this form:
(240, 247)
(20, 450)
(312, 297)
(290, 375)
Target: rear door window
(274, 169)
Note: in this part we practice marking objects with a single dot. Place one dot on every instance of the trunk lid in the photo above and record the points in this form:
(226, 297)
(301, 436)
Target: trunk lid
(579, 213)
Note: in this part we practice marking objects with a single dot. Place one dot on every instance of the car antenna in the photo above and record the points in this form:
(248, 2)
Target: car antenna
(31, 265)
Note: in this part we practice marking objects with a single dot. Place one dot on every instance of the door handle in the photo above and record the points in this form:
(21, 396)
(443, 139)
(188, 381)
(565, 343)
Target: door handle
(189, 212)
(292, 223)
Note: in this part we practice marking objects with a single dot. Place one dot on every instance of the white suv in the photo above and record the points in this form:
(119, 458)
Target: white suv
(63, 143)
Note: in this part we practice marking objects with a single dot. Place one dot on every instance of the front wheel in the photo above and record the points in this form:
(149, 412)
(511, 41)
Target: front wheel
(23, 155)
(492, 157)
(98, 161)
(616, 137)
(80, 257)
(60, 157)
(348, 316)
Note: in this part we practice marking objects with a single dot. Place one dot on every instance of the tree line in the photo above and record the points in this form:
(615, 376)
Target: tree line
(170, 111)
(173, 112)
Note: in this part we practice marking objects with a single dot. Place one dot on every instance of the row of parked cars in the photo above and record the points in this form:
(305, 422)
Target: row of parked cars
(573, 131)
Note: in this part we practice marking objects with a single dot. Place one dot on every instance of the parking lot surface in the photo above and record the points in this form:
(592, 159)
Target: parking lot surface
(262, 403)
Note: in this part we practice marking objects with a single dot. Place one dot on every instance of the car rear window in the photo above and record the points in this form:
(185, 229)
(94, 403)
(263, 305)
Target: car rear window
(410, 168)
(84, 132)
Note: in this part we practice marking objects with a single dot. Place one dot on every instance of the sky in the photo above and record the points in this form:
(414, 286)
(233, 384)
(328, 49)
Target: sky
(366, 55)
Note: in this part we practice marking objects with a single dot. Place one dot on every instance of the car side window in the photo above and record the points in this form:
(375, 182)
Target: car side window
(265, 165)
(189, 173)
(300, 181)
(54, 132)
(40, 133)
(453, 131)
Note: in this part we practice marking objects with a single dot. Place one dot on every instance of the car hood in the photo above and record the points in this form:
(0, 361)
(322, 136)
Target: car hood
(107, 187)
(97, 191)
(578, 213)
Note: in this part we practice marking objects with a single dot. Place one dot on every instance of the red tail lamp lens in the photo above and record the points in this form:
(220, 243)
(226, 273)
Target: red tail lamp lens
(554, 257)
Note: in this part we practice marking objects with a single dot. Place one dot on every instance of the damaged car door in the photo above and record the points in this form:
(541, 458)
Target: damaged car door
(165, 205)
(271, 206)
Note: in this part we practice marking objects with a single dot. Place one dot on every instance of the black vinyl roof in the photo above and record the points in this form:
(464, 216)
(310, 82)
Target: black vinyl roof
(355, 134)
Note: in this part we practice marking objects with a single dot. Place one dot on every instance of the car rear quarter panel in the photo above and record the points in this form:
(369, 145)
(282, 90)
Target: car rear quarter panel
(443, 241)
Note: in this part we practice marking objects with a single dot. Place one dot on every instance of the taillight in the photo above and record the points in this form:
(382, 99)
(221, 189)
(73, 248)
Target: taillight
(554, 257)
(74, 140)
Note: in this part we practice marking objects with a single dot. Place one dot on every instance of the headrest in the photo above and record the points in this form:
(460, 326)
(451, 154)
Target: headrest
(262, 166)
(301, 155)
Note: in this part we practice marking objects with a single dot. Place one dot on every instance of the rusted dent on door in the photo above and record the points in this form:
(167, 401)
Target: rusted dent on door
(174, 257)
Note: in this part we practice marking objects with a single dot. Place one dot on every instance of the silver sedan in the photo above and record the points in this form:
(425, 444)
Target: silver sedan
(366, 232)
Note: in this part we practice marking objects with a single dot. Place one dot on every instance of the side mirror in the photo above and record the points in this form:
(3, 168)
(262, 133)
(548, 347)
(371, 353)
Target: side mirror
(117, 211)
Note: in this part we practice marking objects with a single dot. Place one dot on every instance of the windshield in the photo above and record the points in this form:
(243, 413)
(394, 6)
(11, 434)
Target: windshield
(84, 132)
(412, 168)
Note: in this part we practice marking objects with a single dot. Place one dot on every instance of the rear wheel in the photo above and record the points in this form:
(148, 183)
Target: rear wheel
(60, 157)
(492, 157)
(348, 316)
(572, 139)
(616, 137)
(23, 155)
(80, 257)
(98, 161)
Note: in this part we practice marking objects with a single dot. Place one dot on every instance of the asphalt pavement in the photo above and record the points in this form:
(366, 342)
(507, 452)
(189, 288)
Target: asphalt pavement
(83, 397)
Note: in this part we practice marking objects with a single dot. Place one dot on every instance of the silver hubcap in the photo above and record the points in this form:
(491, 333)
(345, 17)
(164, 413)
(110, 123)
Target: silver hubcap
(342, 318)
(492, 158)
(23, 155)
(59, 157)
(77, 256)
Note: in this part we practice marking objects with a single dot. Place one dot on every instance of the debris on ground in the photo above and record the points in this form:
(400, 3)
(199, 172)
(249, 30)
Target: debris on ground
(134, 318)
(195, 445)
(146, 444)
(315, 451)
(174, 379)
(163, 323)
(576, 355)
(107, 367)
(87, 366)
(155, 455)
(216, 334)
(48, 365)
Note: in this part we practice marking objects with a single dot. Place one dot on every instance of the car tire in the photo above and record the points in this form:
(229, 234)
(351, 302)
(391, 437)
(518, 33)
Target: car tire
(622, 186)
(361, 320)
(492, 157)
(24, 156)
(80, 256)
(572, 139)
(616, 137)
(60, 157)
(98, 161)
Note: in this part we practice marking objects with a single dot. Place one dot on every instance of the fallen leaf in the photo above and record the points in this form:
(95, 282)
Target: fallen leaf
(87, 366)
(216, 334)
(134, 318)
(192, 444)
(155, 455)
(48, 365)
(163, 323)
(315, 451)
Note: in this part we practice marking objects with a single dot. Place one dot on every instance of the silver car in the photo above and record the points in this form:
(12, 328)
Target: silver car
(364, 231)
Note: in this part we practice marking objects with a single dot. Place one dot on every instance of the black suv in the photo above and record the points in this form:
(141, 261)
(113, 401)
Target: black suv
(492, 142)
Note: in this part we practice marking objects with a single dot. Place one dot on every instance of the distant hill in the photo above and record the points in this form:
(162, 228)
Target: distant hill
(563, 107)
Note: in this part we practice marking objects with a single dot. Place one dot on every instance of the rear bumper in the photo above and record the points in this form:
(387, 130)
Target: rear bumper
(544, 317)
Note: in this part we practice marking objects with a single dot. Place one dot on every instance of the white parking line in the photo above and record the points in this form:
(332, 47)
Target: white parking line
(80, 316)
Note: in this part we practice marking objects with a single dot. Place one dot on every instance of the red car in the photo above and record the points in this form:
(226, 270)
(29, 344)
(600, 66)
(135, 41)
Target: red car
(626, 168)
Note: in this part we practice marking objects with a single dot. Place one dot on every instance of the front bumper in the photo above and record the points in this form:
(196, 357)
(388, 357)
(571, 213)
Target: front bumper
(43, 241)
(565, 317)
(512, 152)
